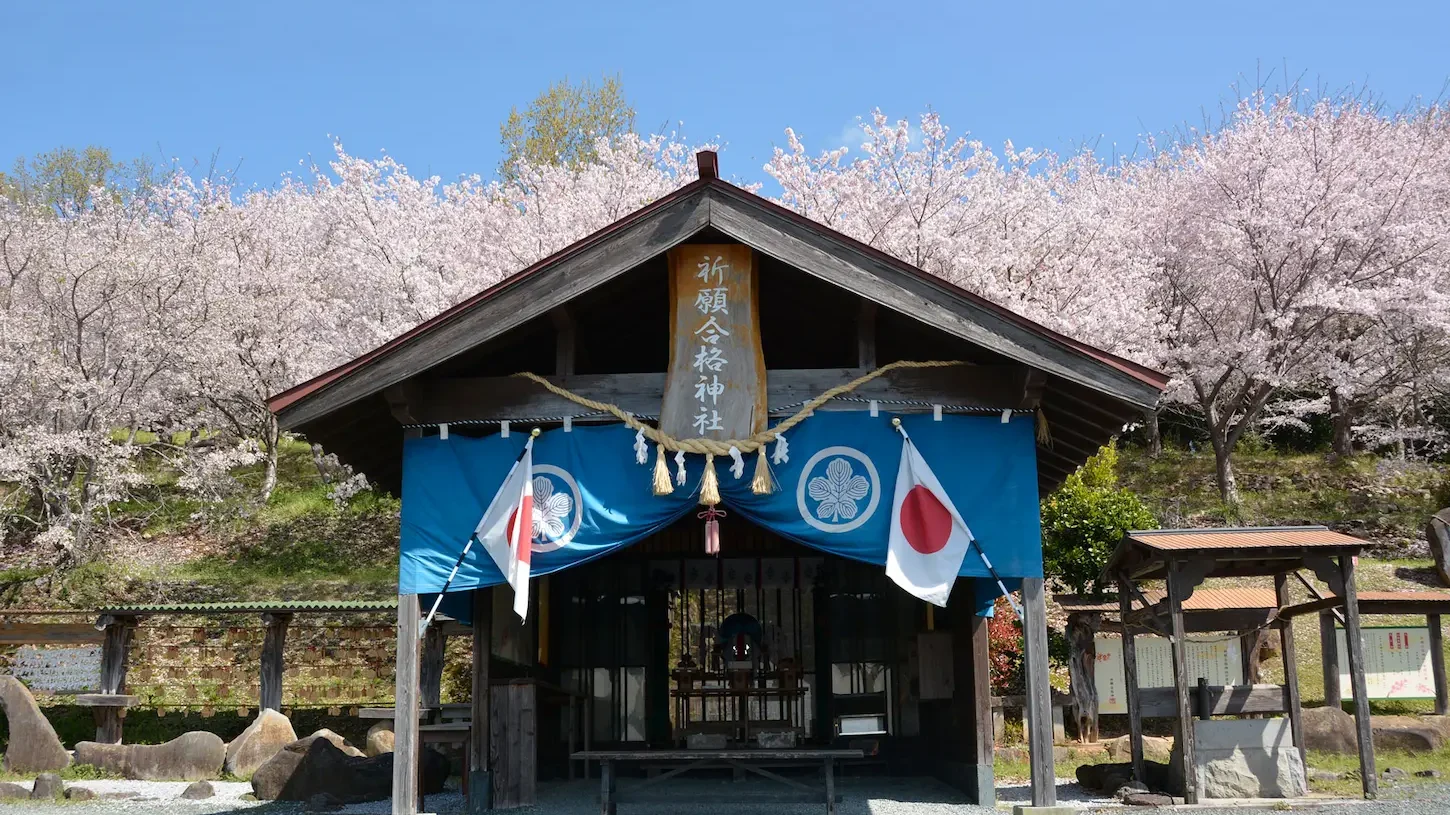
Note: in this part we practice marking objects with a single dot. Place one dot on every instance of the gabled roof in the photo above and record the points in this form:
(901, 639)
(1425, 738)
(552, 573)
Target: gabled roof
(754, 221)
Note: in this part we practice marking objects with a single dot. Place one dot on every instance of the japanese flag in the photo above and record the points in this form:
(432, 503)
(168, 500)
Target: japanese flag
(928, 536)
(507, 528)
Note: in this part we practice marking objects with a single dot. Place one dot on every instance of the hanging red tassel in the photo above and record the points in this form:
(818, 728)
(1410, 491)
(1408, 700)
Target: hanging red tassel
(711, 517)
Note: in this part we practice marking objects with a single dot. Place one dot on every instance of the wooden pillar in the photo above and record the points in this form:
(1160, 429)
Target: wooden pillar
(430, 668)
(274, 640)
(1038, 700)
(962, 742)
(479, 782)
(1130, 676)
(1291, 669)
(1176, 591)
(1329, 650)
(1437, 664)
(115, 648)
(405, 710)
(1355, 648)
(983, 744)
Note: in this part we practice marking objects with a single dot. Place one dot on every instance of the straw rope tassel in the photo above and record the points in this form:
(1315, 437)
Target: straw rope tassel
(762, 483)
(710, 483)
(1044, 436)
(662, 485)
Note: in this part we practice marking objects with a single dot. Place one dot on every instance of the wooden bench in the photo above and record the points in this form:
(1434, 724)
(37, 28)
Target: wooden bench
(748, 761)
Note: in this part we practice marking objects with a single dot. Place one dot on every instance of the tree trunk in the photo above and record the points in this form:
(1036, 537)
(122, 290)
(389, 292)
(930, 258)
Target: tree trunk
(269, 481)
(1228, 488)
(1341, 417)
(1155, 438)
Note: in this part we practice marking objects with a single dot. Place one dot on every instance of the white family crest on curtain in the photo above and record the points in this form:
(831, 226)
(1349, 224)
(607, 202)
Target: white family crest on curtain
(839, 489)
(557, 508)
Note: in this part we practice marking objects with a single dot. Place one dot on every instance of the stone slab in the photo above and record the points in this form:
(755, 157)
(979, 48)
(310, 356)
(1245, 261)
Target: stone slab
(1023, 809)
(33, 746)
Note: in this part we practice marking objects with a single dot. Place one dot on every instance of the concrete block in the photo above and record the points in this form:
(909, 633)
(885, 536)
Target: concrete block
(1247, 758)
(1023, 809)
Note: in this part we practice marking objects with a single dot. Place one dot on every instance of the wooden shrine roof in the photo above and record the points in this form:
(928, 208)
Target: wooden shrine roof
(1237, 552)
(1088, 397)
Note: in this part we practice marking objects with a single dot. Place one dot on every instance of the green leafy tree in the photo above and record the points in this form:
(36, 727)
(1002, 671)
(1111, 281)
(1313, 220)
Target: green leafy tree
(1083, 521)
(560, 126)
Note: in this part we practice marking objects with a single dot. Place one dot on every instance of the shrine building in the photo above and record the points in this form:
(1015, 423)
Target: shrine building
(757, 439)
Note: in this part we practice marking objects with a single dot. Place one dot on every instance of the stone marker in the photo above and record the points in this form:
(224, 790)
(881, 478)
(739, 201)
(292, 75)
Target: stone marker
(198, 791)
(79, 794)
(380, 739)
(314, 765)
(1246, 758)
(33, 746)
(9, 791)
(268, 733)
(1330, 730)
(194, 756)
(47, 786)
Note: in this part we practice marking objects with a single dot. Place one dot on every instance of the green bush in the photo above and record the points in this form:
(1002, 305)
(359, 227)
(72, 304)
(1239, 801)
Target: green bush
(1083, 521)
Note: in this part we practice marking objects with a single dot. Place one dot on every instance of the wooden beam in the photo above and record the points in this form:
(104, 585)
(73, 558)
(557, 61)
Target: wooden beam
(866, 335)
(1354, 639)
(1329, 656)
(1131, 692)
(1231, 700)
(13, 633)
(565, 339)
(430, 667)
(405, 705)
(274, 641)
(815, 251)
(585, 266)
(982, 742)
(115, 654)
(1291, 670)
(479, 782)
(1437, 664)
(1180, 683)
(1310, 607)
(1039, 693)
(492, 398)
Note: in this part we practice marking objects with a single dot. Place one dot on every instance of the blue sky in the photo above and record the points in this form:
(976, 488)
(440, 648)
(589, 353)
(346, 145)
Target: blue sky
(265, 84)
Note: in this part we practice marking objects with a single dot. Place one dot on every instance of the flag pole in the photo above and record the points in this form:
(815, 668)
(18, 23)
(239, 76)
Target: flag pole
(457, 564)
(971, 539)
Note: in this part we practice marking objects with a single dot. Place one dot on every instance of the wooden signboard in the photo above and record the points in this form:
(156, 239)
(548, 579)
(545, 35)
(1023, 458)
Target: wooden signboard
(716, 382)
(1215, 658)
(57, 669)
(1396, 663)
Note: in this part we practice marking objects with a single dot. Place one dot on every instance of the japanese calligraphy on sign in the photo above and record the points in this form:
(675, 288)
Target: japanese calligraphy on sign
(716, 383)
(1217, 659)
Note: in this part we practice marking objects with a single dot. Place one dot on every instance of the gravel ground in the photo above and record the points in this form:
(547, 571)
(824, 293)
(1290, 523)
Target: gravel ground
(862, 796)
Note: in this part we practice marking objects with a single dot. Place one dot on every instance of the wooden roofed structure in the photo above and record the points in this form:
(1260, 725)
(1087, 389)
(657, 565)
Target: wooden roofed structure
(595, 319)
(1183, 559)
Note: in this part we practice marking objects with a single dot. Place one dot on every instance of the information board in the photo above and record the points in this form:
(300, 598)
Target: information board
(49, 669)
(1396, 663)
(1217, 659)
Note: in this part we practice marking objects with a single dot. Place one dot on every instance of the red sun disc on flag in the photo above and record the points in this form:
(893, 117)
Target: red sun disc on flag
(925, 522)
(527, 549)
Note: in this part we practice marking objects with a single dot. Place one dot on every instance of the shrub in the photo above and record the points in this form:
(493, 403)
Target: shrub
(1083, 521)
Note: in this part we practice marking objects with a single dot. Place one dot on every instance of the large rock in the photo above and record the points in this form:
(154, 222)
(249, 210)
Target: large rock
(1407, 739)
(12, 791)
(1246, 758)
(47, 787)
(1109, 778)
(380, 738)
(1155, 748)
(194, 756)
(1437, 534)
(315, 766)
(33, 746)
(1330, 730)
(339, 742)
(268, 733)
(198, 791)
